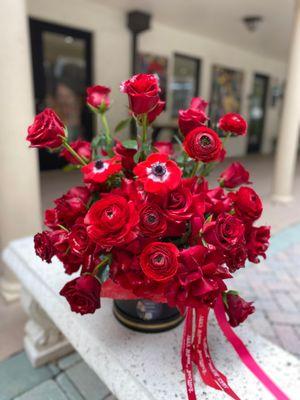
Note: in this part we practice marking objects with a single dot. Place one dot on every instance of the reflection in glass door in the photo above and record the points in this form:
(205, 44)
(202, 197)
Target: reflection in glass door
(61, 70)
(257, 112)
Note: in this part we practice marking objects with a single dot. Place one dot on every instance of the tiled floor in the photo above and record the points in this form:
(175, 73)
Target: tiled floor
(68, 379)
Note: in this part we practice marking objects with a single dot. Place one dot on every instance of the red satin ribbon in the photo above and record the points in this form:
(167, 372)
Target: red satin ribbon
(195, 351)
(244, 353)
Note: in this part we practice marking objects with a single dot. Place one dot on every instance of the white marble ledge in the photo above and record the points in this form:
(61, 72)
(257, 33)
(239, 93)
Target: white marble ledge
(140, 366)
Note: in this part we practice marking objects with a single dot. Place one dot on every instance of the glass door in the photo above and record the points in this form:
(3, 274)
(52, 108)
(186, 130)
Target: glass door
(61, 59)
(257, 112)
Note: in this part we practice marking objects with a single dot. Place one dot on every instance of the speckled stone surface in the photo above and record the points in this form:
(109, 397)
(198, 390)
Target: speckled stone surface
(147, 367)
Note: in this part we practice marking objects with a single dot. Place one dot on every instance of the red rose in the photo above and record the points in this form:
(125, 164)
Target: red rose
(98, 97)
(100, 170)
(43, 246)
(46, 130)
(233, 123)
(143, 93)
(178, 204)
(159, 261)
(190, 119)
(110, 221)
(198, 103)
(82, 147)
(217, 201)
(164, 147)
(236, 257)
(51, 218)
(71, 261)
(156, 111)
(247, 204)
(237, 309)
(60, 241)
(158, 174)
(83, 294)
(203, 144)
(78, 239)
(234, 175)
(225, 232)
(126, 156)
(258, 242)
(152, 221)
(72, 205)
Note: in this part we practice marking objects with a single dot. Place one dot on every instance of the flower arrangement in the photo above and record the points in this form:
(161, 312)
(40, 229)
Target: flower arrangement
(146, 224)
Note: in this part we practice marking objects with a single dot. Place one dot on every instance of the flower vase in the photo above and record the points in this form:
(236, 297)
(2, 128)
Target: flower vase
(146, 316)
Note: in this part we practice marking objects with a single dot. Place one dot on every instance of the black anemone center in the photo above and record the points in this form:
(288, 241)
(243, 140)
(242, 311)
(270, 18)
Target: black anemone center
(99, 164)
(159, 170)
(205, 140)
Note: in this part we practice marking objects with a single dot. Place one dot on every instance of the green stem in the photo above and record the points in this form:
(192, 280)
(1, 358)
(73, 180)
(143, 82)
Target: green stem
(195, 168)
(74, 153)
(228, 135)
(144, 126)
(107, 134)
(105, 261)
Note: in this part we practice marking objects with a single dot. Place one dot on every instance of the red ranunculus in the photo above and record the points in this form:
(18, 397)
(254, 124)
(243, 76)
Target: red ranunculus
(233, 123)
(82, 147)
(225, 232)
(159, 261)
(83, 294)
(100, 170)
(143, 93)
(72, 205)
(247, 204)
(111, 221)
(258, 242)
(237, 309)
(156, 111)
(43, 246)
(152, 221)
(46, 131)
(98, 97)
(158, 174)
(164, 147)
(203, 144)
(190, 119)
(234, 176)
(78, 238)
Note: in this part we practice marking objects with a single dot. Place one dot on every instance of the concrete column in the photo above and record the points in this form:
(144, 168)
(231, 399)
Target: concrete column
(19, 193)
(287, 147)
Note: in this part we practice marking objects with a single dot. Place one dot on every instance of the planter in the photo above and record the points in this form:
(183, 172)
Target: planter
(146, 316)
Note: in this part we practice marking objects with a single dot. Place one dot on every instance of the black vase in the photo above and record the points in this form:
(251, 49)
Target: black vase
(146, 315)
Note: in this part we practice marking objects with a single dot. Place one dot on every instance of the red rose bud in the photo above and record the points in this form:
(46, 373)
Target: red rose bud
(143, 93)
(82, 148)
(158, 174)
(100, 170)
(234, 176)
(46, 131)
(83, 294)
(247, 204)
(203, 144)
(78, 239)
(159, 261)
(233, 123)
(156, 111)
(258, 242)
(111, 221)
(226, 232)
(98, 97)
(152, 221)
(164, 147)
(237, 309)
(43, 246)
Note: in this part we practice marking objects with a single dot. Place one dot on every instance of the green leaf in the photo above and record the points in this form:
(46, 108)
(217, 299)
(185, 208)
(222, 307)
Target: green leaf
(137, 156)
(122, 124)
(130, 144)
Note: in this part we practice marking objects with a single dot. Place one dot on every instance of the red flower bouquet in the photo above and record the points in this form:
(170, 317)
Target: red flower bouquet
(146, 221)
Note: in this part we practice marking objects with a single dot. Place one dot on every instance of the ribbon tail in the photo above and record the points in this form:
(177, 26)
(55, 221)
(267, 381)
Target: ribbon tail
(244, 353)
(186, 355)
(210, 375)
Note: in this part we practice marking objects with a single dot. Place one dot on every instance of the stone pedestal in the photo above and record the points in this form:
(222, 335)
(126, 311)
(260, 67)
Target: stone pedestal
(43, 342)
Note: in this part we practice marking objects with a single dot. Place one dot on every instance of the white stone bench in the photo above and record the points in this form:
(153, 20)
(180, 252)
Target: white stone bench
(134, 366)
